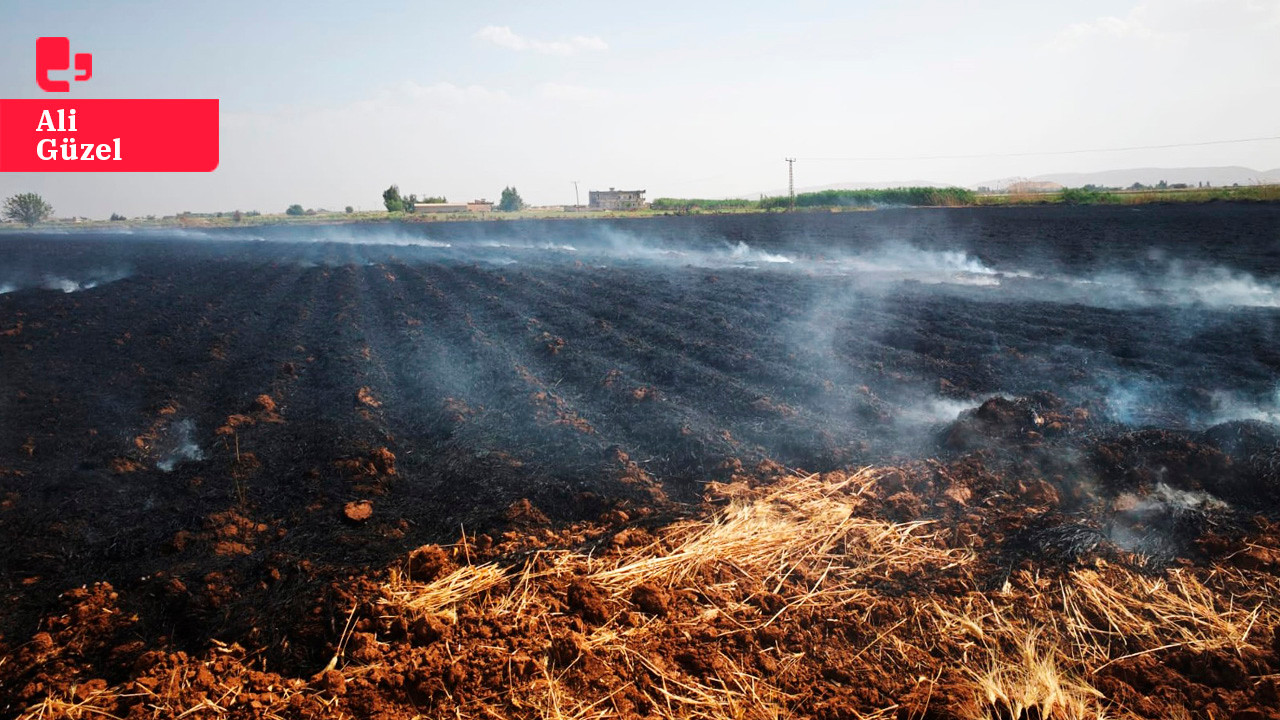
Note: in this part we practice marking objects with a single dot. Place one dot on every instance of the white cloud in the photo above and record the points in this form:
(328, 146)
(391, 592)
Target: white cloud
(503, 36)
(571, 93)
(1172, 22)
(1133, 26)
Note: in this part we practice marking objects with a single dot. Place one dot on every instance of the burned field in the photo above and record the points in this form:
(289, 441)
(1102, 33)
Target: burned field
(959, 463)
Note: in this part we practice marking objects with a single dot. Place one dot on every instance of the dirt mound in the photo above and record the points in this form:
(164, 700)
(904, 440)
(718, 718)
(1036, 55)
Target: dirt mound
(1003, 422)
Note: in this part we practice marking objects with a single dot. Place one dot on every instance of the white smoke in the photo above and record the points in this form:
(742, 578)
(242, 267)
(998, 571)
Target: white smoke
(1177, 284)
(179, 446)
(742, 252)
(92, 280)
(1229, 406)
(936, 411)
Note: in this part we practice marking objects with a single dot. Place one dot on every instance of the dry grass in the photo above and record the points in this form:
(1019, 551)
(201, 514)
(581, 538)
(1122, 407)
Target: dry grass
(95, 705)
(1121, 615)
(809, 542)
(1030, 684)
(804, 532)
(403, 596)
(172, 700)
(735, 695)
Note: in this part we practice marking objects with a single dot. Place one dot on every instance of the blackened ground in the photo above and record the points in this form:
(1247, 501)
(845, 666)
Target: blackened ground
(188, 415)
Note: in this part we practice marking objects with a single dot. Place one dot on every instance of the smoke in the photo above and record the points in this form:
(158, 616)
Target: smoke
(1136, 401)
(178, 446)
(1179, 283)
(64, 284)
(1231, 406)
(933, 411)
(63, 281)
(91, 280)
(744, 254)
(1160, 523)
(849, 336)
(882, 263)
(392, 236)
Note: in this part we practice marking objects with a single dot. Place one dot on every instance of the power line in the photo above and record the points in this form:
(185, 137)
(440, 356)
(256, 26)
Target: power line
(1047, 152)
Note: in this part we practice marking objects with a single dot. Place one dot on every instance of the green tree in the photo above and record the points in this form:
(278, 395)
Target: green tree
(295, 209)
(349, 210)
(117, 217)
(391, 198)
(27, 208)
(510, 201)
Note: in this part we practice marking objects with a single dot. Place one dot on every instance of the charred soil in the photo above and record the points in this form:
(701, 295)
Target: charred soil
(687, 467)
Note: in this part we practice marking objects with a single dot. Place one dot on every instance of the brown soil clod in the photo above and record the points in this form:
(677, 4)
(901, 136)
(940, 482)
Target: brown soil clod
(358, 511)
(650, 598)
(586, 600)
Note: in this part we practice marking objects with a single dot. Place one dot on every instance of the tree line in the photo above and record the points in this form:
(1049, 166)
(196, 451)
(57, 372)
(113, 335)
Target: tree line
(912, 196)
(510, 201)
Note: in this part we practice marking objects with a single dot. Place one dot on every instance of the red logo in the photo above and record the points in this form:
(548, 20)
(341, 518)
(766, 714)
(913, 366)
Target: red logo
(54, 53)
(61, 134)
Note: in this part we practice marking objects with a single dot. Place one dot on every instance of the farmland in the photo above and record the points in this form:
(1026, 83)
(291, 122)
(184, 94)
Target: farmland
(949, 462)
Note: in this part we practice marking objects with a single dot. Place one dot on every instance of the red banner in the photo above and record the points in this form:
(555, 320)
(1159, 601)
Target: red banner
(63, 135)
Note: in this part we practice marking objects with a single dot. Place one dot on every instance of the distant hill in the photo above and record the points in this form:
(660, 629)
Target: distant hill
(1216, 176)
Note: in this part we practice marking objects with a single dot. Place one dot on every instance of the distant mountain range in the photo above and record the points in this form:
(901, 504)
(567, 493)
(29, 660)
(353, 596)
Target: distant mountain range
(1216, 176)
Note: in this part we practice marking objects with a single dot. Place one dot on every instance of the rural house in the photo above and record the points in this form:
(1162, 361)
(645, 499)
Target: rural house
(615, 199)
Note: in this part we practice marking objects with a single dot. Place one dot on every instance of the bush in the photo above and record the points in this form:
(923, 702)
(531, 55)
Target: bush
(295, 209)
(1086, 196)
(950, 196)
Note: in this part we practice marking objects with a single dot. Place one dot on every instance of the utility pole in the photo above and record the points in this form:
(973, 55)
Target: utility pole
(791, 182)
(575, 194)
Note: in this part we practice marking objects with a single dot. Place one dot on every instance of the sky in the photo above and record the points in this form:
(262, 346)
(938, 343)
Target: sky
(325, 104)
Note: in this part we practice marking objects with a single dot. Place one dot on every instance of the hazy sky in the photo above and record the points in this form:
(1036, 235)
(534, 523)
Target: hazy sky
(327, 103)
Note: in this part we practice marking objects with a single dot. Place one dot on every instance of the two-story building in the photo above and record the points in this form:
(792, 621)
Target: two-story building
(615, 199)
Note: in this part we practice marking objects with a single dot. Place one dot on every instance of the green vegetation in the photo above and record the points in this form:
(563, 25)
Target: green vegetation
(391, 198)
(295, 209)
(1091, 195)
(116, 217)
(28, 208)
(1087, 196)
(691, 204)
(510, 201)
(913, 196)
